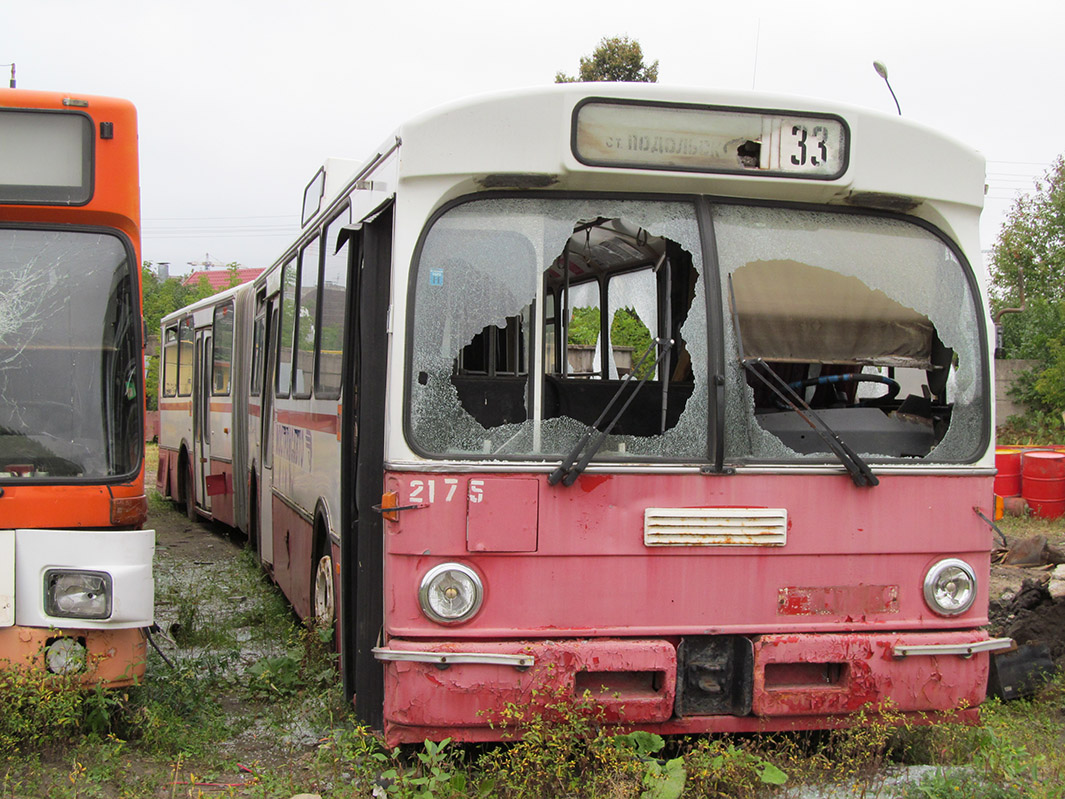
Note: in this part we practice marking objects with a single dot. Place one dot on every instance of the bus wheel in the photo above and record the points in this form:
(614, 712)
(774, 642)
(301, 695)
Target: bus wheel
(323, 593)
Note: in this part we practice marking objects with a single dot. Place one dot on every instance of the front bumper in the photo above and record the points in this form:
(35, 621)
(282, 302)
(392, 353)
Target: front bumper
(776, 682)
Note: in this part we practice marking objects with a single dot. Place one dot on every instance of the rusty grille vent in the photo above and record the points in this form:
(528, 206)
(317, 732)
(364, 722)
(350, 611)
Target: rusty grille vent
(709, 527)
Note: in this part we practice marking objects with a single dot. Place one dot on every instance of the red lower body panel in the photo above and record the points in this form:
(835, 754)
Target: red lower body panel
(800, 681)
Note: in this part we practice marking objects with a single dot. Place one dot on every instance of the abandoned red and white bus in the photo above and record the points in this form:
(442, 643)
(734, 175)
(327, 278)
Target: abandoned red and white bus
(677, 397)
(76, 589)
(203, 444)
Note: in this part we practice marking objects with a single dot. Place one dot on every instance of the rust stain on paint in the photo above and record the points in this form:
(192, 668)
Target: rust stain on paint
(852, 601)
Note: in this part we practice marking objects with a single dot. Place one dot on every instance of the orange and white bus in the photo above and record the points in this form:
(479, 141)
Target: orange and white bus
(678, 397)
(76, 589)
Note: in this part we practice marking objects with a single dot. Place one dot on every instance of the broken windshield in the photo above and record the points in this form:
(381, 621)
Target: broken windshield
(69, 361)
(497, 277)
(529, 313)
(872, 320)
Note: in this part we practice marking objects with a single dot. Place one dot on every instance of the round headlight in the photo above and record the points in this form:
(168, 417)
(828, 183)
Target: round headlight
(450, 593)
(950, 587)
(66, 656)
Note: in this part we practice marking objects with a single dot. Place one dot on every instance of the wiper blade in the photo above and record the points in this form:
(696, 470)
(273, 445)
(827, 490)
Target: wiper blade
(859, 470)
(569, 470)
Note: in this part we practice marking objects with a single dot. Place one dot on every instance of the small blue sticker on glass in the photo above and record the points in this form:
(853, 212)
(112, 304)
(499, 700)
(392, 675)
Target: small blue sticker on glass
(436, 277)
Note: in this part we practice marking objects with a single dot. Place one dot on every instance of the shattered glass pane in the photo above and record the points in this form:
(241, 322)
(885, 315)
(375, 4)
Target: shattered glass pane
(916, 318)
(488, 263)
(69, 361)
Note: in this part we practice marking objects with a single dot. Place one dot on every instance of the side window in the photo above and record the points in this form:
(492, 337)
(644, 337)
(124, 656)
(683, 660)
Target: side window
(306, 316)
(257, 343)
(288, 328)
(583, 357)
(170, 362)
(222, 363)
(498, 350)
(633, 302)
(332, 293)
(551, 351)
(186, 335)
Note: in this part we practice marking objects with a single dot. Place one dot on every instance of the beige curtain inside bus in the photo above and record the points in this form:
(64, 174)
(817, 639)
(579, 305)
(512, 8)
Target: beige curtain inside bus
(791, 311)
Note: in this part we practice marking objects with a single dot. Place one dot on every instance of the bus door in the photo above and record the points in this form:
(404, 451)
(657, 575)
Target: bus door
(362, 463)
(266, 434)
(201, 419)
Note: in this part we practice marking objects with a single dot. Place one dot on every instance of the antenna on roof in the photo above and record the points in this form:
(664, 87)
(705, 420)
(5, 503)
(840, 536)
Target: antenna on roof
(12, 65)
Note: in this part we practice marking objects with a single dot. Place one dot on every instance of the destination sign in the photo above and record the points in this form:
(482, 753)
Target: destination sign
(45, 157)
(693, 138)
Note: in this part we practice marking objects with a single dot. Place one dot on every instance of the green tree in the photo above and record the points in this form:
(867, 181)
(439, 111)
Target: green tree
(1033, 240)
(584, 327)
(233, 271)
(617, 58)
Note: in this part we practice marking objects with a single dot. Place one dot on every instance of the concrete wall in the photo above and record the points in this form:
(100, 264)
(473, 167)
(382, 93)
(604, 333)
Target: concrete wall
(1006, 372)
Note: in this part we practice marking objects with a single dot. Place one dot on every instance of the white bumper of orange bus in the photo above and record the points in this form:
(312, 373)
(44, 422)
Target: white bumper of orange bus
(84, 579)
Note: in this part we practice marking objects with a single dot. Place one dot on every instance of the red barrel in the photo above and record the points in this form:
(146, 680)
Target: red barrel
(1043, 482)
(1008, 479)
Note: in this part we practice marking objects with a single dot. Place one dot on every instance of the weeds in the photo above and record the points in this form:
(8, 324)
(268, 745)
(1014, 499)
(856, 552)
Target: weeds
(561, 750)
(39, 708)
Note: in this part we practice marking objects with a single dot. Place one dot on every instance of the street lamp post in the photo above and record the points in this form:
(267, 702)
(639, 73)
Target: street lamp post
(881, 70)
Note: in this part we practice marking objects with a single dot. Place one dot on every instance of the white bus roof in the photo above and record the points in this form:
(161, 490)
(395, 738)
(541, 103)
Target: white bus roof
(207, 302)
(528, 132)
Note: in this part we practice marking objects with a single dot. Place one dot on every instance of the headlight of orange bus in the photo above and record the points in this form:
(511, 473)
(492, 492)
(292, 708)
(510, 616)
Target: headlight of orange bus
(450, 593)
(950, 587)
(77, 594)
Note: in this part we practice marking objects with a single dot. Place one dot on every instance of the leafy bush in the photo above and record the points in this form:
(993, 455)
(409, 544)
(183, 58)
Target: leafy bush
(38, 708)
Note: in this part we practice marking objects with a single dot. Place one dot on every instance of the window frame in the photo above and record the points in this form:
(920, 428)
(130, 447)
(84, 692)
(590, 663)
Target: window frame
(283, 392)
(301, 355)
(169, 370)
(215, 338)
(329, 251)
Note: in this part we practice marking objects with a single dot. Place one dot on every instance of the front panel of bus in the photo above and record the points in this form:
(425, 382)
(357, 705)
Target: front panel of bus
(77, 584)
(712, 458)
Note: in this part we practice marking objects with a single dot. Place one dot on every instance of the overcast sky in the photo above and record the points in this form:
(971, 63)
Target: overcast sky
(240, 101)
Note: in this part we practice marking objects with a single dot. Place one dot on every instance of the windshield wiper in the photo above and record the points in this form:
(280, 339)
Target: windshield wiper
(569, 470)
(859, 470)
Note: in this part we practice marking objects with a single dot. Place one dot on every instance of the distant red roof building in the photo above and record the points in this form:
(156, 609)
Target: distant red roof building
(219, 278)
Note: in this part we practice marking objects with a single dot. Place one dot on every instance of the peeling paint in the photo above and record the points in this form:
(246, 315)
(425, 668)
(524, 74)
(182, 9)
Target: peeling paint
(852, 601)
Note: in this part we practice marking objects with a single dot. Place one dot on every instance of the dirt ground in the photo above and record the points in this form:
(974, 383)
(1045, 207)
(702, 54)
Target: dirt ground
(1026, 603)
(179, 539)
(1023, 609)
(200, 566)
